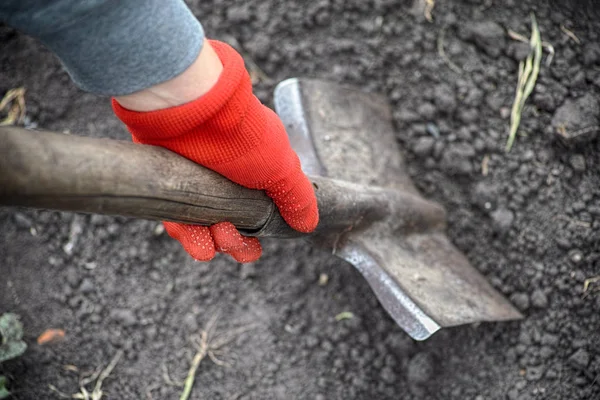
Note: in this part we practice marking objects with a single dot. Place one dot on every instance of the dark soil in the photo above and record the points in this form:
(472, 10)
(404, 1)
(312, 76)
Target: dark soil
(530, 225)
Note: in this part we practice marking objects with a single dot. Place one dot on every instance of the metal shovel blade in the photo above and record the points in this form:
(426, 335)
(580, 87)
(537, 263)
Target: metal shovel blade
(419, 277)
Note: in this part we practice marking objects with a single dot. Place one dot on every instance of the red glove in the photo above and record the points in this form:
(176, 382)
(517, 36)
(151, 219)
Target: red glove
(229, 131)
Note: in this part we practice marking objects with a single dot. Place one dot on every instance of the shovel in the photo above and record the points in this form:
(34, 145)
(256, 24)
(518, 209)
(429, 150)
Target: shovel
(371, 215)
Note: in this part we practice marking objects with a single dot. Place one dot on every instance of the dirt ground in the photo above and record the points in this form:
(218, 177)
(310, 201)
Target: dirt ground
(528, 220)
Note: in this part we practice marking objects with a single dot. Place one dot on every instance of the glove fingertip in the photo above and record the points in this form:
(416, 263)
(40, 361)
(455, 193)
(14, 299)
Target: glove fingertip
(226, 237)
(305, 221)
(196, 240)
(251, 251)
(295, 198)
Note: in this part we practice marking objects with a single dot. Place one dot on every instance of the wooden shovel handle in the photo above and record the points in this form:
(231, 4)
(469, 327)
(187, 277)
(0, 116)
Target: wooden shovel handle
(105, 176)
(75, 173)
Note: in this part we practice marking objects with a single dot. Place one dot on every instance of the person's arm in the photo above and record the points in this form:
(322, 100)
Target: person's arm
(174, 89)
(194, 82)
(112, 47)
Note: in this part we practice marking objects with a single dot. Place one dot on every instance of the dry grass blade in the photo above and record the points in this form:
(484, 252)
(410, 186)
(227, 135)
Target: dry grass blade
(429, 6)
(218, 361)
(545, 45)
(588, 282)
(562, 131)
(58, 392)
(167, 378)
(191, 376)
(99, 376)
(84, 381)
(485, 165)
(97, 392)
(227, 337)
(570, 34)
(573, 221)
(14, 99)
(442, 52)
(528, 73)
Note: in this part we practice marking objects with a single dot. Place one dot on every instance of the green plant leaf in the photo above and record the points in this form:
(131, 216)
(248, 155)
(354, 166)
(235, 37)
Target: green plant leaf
(4, 393)
(528, 73)
(11, 333)
(12, 350)
(10, 327)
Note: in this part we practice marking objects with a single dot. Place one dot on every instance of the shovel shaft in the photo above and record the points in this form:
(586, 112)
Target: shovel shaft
(75, 173)
(105, 176)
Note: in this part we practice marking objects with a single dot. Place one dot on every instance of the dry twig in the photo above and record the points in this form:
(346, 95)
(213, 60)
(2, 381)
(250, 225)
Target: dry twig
(562, 131)
(573, 221)
(167, 377)
(442, 52)
(570, 33)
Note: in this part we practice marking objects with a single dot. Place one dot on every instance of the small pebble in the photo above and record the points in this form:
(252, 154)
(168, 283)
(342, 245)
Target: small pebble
(72, 276)
(387, 375)
(22, 221)
(423, 146)
(521, 300)
(323, 279)
(576, 256)
(503, 219)
(539, 299)
(87, 286)
(580, 359)
(577, 161)
(123, 316)
(420, 368)
(248, 271)
(159, 229)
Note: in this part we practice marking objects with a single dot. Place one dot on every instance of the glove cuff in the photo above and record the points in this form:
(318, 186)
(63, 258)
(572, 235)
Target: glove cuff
(233, 89)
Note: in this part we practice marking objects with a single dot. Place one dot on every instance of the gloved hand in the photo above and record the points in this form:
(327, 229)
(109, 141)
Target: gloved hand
(229, 131)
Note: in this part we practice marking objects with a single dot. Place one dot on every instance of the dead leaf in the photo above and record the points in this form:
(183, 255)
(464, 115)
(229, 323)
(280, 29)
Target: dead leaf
(51, 336)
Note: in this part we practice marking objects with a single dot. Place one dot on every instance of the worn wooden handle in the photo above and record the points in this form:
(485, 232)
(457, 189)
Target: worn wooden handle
(75, 173)
(104, 176)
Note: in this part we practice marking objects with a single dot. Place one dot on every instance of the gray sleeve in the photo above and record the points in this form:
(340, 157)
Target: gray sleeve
(112, 47)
